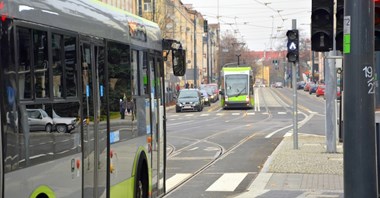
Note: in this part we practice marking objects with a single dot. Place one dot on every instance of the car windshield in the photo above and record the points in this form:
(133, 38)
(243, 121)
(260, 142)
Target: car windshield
(188, 94)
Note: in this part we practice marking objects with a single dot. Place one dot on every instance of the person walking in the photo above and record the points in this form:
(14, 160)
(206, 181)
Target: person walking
(123, 105)
(177, 88)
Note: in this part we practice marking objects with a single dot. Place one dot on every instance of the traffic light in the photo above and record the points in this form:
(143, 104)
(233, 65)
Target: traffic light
(377, 25)
(339, 25)
(292, 45)
(205, 26)
(322, 23)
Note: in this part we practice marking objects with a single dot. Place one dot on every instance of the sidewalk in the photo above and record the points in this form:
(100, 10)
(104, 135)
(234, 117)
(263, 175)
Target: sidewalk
(308, 172)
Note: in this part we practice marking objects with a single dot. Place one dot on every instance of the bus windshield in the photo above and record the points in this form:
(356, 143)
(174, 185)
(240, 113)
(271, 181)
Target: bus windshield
(236, 84)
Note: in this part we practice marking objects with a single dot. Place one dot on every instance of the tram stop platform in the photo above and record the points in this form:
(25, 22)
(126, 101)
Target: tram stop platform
(306, 172)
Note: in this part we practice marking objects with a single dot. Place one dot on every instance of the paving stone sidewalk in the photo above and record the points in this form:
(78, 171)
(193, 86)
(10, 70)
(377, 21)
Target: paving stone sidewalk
(305, 172)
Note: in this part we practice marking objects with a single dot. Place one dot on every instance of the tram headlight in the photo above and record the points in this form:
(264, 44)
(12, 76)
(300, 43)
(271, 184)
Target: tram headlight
(226, 98)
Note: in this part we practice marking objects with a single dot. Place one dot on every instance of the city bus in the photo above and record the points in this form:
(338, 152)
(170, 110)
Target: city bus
(82, 103)
(236, 87)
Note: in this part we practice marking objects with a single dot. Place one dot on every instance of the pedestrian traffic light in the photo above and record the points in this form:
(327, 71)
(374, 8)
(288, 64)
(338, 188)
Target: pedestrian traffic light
(377, 25)
(292, 45)
(322, 23)
(339, 25)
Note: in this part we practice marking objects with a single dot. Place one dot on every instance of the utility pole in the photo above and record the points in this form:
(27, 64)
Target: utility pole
(195, 51)
(360, 178)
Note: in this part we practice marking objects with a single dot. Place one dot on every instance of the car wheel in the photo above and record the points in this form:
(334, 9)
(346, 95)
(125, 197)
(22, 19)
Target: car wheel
(48, 128)
(61, 128)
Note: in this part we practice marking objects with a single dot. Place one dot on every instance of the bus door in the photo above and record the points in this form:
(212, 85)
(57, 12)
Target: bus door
(92, 55)
(157, 109)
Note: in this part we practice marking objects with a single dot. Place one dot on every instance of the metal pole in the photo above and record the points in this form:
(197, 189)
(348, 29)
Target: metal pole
(195, 51)
(359, 100)
(312, 65)
(294, 84)
(208, 58)
(330, 80)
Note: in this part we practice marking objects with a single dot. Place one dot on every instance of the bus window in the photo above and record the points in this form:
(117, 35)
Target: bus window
(71, 83)
(135, 82)
(64, 66)
(24, 63)
(41, 69)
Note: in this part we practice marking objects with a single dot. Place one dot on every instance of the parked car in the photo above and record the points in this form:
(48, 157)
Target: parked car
(39, 120)
(320, 90)
(215, 91)
(301, 84)
(278, 85)
(189, 100)
(307, 86)
(313, 88)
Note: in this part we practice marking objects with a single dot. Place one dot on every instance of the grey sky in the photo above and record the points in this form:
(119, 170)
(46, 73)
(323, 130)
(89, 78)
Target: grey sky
(254, 21)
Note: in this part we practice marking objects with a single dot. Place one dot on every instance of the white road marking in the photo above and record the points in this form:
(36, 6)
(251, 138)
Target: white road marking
(250, 113)
(176, 179)
(205, 115)
(281, 113)
(235, 114)
(193, 149)
(220, 114)
(227, 182)
(189, 115)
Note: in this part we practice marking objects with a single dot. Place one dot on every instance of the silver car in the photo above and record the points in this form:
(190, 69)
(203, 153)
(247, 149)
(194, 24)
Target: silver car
(39, 120)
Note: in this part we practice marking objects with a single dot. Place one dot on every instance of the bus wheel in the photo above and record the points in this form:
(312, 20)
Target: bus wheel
(142, 182)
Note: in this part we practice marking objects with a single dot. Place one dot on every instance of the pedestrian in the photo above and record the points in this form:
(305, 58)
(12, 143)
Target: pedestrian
(191, 86)
(177, 88)
(122, 108)
(129, 105)
(187, 85)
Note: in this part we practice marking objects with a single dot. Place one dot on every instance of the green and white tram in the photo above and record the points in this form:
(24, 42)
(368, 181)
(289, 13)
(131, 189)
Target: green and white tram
(236, 87)
(81, 101)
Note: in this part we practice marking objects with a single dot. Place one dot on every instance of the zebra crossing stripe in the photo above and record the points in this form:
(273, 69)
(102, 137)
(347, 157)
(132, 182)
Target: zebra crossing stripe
(176, 179)
(228, 182)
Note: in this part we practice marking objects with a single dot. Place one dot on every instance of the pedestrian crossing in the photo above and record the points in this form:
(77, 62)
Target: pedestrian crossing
(227, 182)
(174, 116)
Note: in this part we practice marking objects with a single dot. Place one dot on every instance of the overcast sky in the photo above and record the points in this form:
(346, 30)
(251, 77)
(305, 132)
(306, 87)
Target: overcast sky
(256, 21)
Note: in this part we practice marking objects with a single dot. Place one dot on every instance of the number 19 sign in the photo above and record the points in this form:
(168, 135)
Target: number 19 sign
(368, 74)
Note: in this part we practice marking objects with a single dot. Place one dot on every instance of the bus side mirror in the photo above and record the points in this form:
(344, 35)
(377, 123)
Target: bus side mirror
(179, 63)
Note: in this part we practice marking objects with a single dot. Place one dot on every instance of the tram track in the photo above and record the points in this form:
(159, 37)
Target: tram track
(222, 152)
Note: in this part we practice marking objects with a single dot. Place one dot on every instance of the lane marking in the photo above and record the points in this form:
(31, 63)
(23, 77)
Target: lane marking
(235, 114)
(220, 114)
(205, 115)
(250, 113)
(193, 149)
(176, 179)
(189, 115)
(281, 113)
(228, 182)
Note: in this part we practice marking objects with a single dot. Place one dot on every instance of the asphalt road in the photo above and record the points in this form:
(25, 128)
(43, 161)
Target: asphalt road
(218, 153)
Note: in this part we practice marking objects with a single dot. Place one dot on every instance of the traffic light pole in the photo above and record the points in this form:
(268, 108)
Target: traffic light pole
(295, 110)
(359, 96)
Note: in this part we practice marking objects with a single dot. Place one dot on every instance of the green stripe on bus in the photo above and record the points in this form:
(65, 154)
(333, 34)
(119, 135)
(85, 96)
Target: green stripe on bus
(236, 68)
(123, 189)
(237, 99)
(43, 190)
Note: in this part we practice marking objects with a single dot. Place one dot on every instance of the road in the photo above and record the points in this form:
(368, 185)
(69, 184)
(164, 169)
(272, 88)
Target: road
(218, 153)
